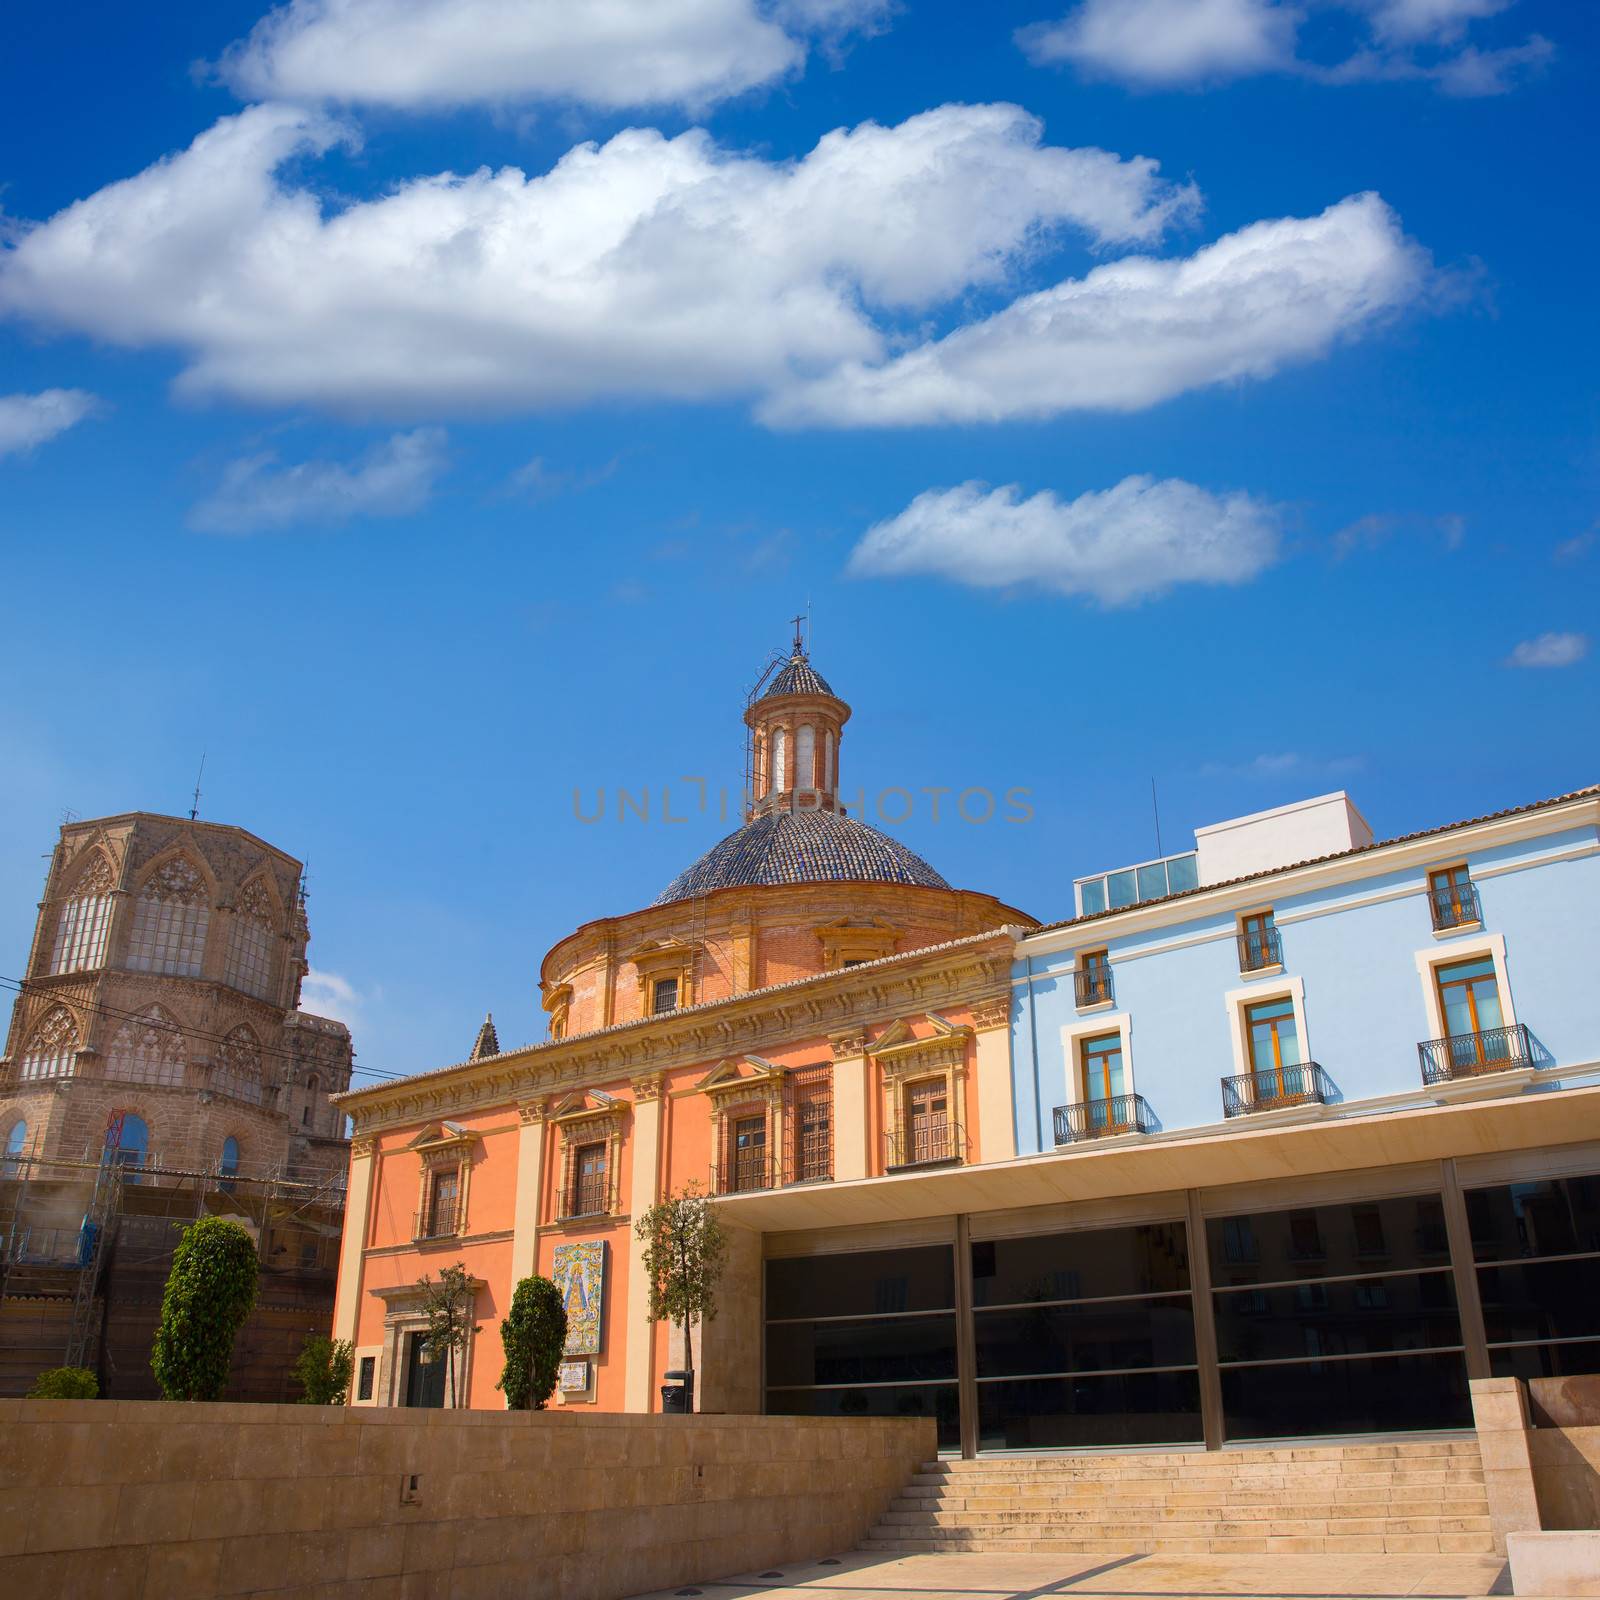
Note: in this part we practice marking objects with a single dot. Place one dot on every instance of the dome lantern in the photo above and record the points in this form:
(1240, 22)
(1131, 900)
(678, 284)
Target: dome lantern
(795, 724)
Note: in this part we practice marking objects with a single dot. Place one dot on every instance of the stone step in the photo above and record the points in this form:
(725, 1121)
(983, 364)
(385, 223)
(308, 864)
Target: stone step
(997, 1483)
(1331, 1544)
(1160, 1494)
(1410, 1449)
(1187, 1523)
(1156, 1512)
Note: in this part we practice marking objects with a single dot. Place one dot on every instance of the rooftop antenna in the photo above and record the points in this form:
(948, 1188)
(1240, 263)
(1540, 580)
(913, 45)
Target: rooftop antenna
(1157, 810)
(194, 810)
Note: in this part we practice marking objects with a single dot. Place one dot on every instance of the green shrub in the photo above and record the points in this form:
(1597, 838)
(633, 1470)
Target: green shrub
(323, 1370)
(534, 1334)
(65, 1383)
(209, 1293)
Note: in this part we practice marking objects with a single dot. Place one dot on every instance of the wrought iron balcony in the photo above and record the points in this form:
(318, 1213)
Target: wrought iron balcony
(938, 1145)
(1259, 949)
(1091, 986)
(744, 1172)
(437, 1222)
(1306, 1084)
(1454, 905)
(1103, 1119)
(1470, 1055)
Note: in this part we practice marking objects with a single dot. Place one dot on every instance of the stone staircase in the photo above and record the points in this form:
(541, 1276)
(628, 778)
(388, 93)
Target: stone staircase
(1415, 1497)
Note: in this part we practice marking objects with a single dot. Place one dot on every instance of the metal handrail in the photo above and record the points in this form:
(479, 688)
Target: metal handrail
(1469, 1055)
(1091, 986)
(437, 1222)
(1102, 1119)
(1454, 905)
(1303, 1084)
(1260, 948)
(930, 1147)
(744, 1172)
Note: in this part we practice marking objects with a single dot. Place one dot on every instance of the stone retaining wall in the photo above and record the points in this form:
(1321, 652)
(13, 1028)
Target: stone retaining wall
(124, 1500)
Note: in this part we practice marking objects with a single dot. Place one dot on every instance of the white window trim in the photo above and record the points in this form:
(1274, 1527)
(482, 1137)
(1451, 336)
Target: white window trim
(1464, 949)
(1237, 1000)
(1092, 1026)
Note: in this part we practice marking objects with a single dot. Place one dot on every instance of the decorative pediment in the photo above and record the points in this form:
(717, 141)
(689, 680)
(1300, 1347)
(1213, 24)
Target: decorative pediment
(740, 1073)
(662, 958)
(441, 1141)
(899, 1050)
(846, 943)
(587, 1105)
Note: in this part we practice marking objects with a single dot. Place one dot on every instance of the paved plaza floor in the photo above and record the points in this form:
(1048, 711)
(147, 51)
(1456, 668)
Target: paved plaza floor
(866, 1576)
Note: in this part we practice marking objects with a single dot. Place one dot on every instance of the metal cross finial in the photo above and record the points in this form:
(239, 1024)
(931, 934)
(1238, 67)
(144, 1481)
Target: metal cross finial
(799, 644)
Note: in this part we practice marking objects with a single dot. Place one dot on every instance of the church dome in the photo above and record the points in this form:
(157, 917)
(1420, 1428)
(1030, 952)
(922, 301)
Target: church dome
(797, 676)
(801, 847)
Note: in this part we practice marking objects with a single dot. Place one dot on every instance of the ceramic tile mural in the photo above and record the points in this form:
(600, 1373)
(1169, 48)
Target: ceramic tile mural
(580, 1274)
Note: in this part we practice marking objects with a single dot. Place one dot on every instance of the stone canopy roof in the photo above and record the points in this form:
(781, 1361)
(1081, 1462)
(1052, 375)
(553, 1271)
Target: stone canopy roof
(798, 676)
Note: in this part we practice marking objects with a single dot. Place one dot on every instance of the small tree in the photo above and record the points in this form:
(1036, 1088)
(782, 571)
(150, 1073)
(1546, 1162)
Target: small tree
(209, 1293)
(447, 1304)
(685, 1250)
(535, 1336)
(323, 1370)
(65, 1383)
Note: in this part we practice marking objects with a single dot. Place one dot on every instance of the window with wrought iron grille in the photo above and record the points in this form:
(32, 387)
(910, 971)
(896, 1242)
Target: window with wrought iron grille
(148, 1049)
(53, 1050)
(85, 921)
(238, 1069)
(1452, 897)
(444, 1201)
(808, 1120)
(251, 941)
(169, 922)
(747, 1149)
(590, 1193)
(664, 996)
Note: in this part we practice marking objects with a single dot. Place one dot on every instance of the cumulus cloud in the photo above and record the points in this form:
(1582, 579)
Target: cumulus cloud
(257, 494)
(428, 54)
(1138, 331)
(1119, 545)
(1286, 764)
(646, 266)
(327, 994)
(27, 420)
(1550, 650)
(1162, 44)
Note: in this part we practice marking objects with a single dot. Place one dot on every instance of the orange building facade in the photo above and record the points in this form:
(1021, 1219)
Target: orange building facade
(807, 1005)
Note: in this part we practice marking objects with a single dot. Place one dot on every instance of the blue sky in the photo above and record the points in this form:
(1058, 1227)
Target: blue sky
(418, 504)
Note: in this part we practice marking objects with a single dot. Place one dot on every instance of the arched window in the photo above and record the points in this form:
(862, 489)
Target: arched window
(53, 1050)
(251, 940)
(238, 1070)
(780, 759)
(805, 757)
(85, 920)
(229, 1165)
(16, 1143)
(127, 1140)
(313, 1084)
(148, 1049)
(169, 921)
(827, 760)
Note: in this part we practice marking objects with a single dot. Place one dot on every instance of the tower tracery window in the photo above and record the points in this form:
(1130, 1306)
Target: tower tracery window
(251, 939)
(53, 1050)
(148, 1048)
(238, 1069)
(170, 920)
(85, 920)
(805, 757)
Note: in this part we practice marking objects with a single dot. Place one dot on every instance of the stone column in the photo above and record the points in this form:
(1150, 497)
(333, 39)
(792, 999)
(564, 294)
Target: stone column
(997, 1134)
(530, 1185)
(639, 1332)
(1500, 1415)
(850, 1122)
(353, 1247)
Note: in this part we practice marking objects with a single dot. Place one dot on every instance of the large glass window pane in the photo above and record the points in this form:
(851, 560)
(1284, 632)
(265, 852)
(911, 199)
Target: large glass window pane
(1326, 1241)
(1153, 881)
(895, 1350)
(1096, 1337)
(1100, 1263)
(1326, 1319)
(1379, 1394)
(1093, 896)
(1550, 1217)
(1579, 1360)
(1139, 1408)
(1544, 1300)
(937, 1400)
(1121, 887)
(1183, 873)
(863, 1283)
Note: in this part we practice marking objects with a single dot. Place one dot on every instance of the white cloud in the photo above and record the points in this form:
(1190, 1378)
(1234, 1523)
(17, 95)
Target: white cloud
(1166, 42)
(1550, 650)
(256, 494)
(1286, 764)
(326, 994)
(27, 420)
(1118, 545)
(646, 266)
(425, 54)
(1426, 21)
(1138, 331)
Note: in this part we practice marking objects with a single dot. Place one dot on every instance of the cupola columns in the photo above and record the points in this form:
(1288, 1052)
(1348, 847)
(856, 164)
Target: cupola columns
(794, 730)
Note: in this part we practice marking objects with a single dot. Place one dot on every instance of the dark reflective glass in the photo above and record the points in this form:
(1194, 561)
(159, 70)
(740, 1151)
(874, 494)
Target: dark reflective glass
(1327, 1319)
(1075, 1413)
(863, 1283)
(1552, 1217)
(1098, 1264)
(1549, 1300)
(1547, 1361)
(937, 1400)
(1379, 1395)
(1328, 1241)
(897, 1350)
(1086, 1338)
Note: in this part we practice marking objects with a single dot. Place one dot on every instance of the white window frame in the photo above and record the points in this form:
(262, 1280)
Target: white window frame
(1464, 948)
(1238, 1001)
(1091, 1026)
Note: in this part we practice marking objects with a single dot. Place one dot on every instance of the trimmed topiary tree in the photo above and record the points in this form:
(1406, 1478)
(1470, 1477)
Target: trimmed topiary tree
(323, 1370)
(65, 1383)
(534, 1334)
(209, 1293)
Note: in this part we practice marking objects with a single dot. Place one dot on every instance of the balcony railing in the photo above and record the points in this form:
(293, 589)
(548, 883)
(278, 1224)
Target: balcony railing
(937, 1145)
(1091, 986)
(1102, 1119)
(1259, 949)
(1454, 905)
(1469, 1055)
(437, 1222)
(1306, 1084)
(744, 1172)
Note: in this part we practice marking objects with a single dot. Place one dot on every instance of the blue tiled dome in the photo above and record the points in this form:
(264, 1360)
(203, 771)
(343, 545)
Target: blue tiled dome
(801, 847)
(798, 677)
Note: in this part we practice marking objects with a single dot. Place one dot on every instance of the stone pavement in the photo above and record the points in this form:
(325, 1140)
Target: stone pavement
(864, 1575)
